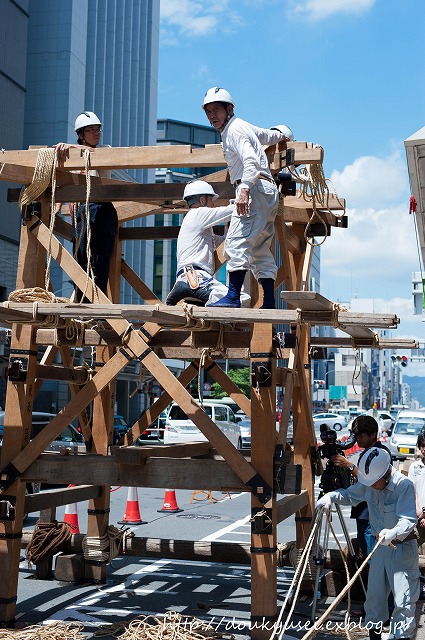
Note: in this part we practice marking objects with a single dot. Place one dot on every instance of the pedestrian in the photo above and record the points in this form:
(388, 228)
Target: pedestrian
(394, 565)
(417, 475)
(103, 218)
(248, 241)
(365, 429)
(196, 244)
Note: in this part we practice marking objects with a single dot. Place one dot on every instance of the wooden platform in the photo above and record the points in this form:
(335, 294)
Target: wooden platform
(44, 335)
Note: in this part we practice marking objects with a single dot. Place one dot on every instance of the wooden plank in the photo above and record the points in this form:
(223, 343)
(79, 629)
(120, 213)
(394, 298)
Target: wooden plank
(139, 455)
(59, 497)
(56, 372)
(159, 472)
(263, 443)
(18, 421)
(290, 504)
(160, 156)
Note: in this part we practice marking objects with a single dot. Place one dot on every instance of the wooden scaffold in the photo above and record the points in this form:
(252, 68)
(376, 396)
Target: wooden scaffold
(148, 334)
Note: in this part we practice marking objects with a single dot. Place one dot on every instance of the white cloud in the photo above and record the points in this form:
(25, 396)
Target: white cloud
(322, 9)
(373, 182)
(193, 18)
(376, 255)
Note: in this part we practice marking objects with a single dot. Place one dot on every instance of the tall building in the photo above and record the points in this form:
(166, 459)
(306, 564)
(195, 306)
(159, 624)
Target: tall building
(57, 59)
(101, 56)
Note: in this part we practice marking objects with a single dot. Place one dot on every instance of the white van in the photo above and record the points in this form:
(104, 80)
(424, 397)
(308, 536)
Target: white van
(179, 428)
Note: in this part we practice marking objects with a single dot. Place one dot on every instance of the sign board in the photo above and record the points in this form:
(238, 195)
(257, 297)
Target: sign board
(337, 392)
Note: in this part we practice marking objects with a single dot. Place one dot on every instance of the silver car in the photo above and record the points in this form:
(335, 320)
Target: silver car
(408, 426)
(332, 420)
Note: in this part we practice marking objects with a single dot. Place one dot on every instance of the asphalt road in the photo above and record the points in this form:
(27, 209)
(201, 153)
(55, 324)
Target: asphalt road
(214, 592)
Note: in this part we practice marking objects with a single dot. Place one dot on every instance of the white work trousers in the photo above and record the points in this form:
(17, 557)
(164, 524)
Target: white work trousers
(394, 570)
(249, 238)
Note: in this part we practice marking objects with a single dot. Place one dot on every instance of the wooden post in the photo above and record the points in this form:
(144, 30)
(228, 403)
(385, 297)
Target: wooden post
(18, 420)
(264, 521)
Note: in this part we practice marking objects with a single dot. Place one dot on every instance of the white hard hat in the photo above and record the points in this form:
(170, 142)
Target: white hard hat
(85, 119)
(217, 94)
(373, 465)
(199, 188)
(285, 130)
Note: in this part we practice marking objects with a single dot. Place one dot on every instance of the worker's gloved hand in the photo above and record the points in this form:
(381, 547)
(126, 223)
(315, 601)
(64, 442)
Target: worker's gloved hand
(325, 502)
(386, 536)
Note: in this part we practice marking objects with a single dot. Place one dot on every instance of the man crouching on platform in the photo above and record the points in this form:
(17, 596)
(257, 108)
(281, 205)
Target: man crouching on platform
(394, 565)
(196, 244)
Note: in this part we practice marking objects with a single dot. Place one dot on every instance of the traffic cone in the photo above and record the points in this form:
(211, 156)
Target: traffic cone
(132, 511)
(71, 516)
(170, 502)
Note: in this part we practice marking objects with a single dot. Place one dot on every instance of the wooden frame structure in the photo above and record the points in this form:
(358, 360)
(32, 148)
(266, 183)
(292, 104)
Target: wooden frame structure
(152, 331)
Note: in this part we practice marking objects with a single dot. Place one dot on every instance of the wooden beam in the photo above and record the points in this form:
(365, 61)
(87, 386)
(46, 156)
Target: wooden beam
(59, 497)
(160, 472)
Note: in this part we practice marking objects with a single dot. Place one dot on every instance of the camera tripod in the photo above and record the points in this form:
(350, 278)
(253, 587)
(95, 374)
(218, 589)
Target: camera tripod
(320, 548)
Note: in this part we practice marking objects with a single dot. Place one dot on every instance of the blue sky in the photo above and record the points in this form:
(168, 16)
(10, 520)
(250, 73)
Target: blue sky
(346, 74)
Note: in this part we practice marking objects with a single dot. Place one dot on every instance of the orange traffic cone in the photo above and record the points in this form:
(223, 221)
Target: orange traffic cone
(170, 502)
(132, 511)
(71, 516)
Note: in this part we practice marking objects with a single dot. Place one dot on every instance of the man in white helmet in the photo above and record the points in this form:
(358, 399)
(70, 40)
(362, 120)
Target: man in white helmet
(394, 564)
(103, 215)
(196, 244)
(248, 242)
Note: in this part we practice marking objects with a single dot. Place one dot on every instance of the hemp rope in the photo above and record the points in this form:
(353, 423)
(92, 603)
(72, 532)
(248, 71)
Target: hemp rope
(89, 270)
(46, 159)
(73, 328)
(107, 547)
(174, 626)
(52, 631)
(314, 189)
(47, 539)
(52, 221)
(206, 353)
(297, 579)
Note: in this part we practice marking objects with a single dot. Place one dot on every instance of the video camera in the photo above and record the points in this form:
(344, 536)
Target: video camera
(334, 477)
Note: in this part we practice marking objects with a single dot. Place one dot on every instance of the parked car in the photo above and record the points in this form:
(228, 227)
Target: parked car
(120, 428)
(407, 427)
(70, 438)
(333, 420)
(387, 420)
(179, 428)
(245, 431)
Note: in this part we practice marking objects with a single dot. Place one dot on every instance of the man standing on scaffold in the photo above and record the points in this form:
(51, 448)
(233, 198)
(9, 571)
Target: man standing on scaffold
(394, 565)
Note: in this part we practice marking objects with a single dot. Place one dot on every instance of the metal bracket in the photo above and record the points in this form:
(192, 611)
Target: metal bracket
(261, 374)
(18, 369)
(260, 488)
(7, 508)
(8, 475)
(261, 521)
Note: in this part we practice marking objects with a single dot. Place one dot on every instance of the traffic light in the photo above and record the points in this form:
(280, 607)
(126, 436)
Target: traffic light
(404, 361)
(394, 358)
(321, 384)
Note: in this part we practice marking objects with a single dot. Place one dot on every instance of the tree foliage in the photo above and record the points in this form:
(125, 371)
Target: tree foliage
(241, 377)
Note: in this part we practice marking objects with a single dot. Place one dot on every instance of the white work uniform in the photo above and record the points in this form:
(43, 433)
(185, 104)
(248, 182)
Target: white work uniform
(395, 570)
(248, 241)
(196, 243)
(417, 476)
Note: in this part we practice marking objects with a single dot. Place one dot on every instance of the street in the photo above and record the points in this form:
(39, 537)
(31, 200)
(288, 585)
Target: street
(216, 592)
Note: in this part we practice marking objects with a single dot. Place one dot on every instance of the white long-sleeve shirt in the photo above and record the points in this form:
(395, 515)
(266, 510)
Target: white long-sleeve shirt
(195, 242)
(392, 508)
(243, 150)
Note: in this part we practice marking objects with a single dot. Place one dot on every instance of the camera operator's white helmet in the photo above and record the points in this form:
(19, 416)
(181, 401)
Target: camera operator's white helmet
(217, 94)
(86, 119)
(199, 188)
(373, 465)
(285, 130)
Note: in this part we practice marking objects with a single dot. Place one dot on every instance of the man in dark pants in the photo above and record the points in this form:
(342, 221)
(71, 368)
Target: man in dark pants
(103, 217)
